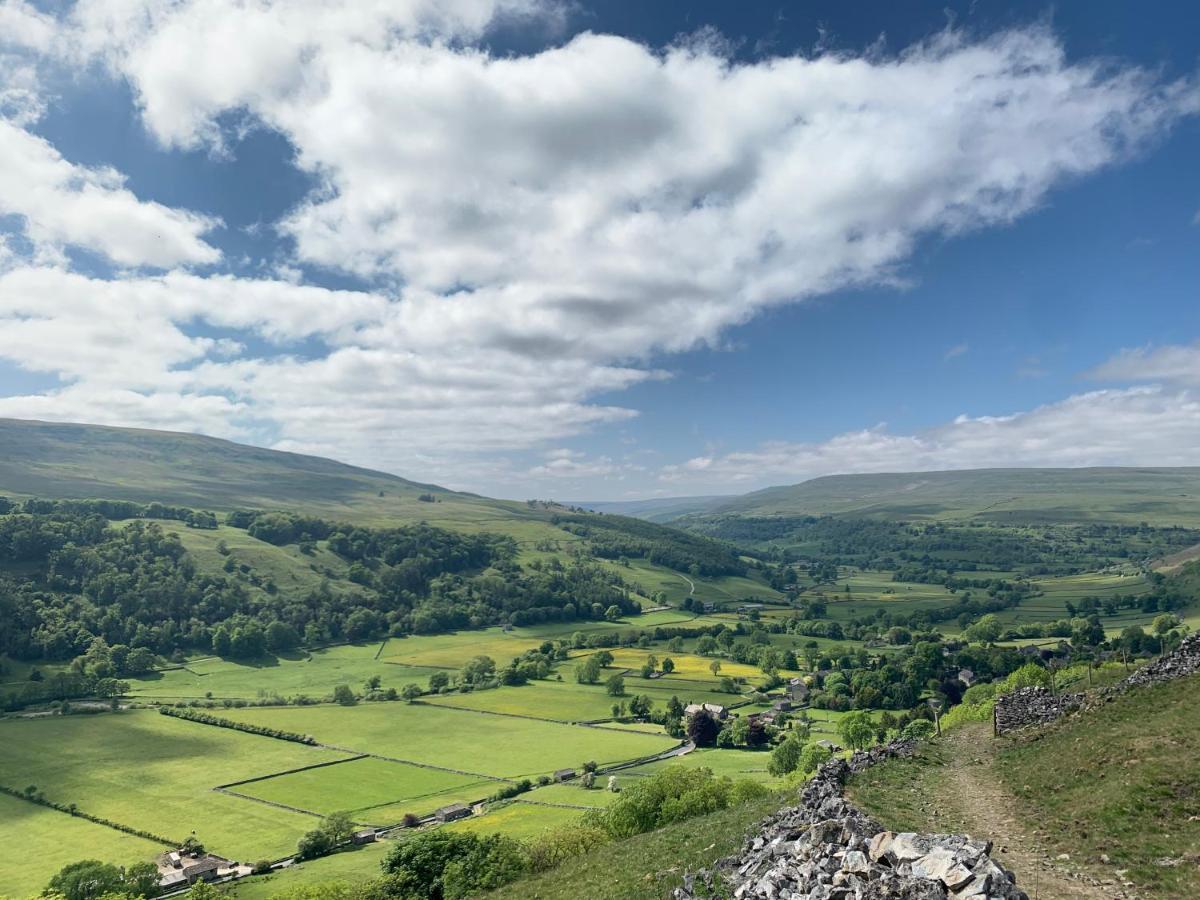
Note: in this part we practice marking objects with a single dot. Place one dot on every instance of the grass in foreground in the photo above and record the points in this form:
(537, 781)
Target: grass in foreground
(1123, 781)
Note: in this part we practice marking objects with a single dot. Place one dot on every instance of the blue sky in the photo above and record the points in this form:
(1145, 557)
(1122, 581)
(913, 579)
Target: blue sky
(608, 250)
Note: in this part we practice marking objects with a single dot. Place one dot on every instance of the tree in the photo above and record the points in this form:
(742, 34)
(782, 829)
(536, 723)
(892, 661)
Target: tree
(438, 680)
(410, 692)
(615, 686)
(640, 705)
(714, 667)
(344, 695)
(986, 631)
(613, 613)
(668, 666)
(222, 643)
(605, 658)
(141, 879)
(857, 730)
(786, 756)
(88, 879)
(1164, 623)
(702, 729)
(588, 671)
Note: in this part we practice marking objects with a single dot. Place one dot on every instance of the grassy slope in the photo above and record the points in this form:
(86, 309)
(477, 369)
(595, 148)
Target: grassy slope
(1164, 496)
(1121, 781)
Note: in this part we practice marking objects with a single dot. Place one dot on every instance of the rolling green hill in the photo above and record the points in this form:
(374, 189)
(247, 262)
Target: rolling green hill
(58, 460)
(1002, 496)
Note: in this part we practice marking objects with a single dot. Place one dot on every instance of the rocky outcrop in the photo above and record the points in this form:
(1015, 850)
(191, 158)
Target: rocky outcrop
(827, 849)
(1030, 706)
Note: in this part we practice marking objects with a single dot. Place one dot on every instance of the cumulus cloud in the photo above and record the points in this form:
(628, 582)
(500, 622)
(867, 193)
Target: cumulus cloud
(1134, 426)
(538, 228)
(64, 204)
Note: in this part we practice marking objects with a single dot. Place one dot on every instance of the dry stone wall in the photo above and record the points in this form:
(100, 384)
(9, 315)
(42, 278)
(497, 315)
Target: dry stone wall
(827, 849)
(1037, 706)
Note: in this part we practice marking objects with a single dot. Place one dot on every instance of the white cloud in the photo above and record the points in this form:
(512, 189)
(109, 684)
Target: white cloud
(537, 227)
(565, 463)
(955, 351)
(1136, 426)
(64, 204)
(1173, 363)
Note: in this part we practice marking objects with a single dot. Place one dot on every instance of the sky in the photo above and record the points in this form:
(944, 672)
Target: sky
(609, 250)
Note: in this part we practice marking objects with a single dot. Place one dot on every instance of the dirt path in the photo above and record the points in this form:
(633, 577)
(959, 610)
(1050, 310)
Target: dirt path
(986, 809)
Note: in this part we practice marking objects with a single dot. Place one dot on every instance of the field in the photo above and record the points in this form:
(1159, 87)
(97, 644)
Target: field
(519, 819)
(305, 673)
(366, 787)
(54, 840)
(156, 773)
(491, 745)
(567, 701)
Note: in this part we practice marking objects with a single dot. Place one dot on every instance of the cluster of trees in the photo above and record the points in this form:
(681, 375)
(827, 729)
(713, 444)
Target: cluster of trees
(75, 577)
(91, 879)
(58, 687)
(620, 537)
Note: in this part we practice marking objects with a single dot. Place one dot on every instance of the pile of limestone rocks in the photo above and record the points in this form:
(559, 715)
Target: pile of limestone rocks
(826, 849)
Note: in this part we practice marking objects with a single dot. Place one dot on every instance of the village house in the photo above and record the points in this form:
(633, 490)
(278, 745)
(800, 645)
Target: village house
(706, 606)
(713, 709)
(452, 812)
(966, 676)
(798, 690)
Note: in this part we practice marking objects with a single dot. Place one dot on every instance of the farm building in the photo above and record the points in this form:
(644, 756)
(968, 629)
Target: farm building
(707, 606)
(452, 812)
(782, 706)
(202, 870)
(828, 745)
(365, 836)
(798, 690)
(564, 774)
(749, 608)
(966, 676)
(713, 709)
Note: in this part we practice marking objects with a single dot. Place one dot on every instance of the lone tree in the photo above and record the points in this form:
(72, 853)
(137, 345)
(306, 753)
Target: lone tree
(410, 692)
(702, 729)
(857, 729)
(615, 686)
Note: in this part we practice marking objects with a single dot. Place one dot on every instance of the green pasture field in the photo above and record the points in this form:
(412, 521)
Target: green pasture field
(292, 571)
(493, 745)
(38, 841)
(314, 674)
(750, 764)
(450, 651)
(567, 701)
(572, 794)
(688, 667)
(156, 773)
(351, 866)
(520, 820)
(644, 727)
(363, 787)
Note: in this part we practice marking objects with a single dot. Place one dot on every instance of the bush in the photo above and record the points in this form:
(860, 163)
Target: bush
(674, 794)
(918, 729)
(557, 846)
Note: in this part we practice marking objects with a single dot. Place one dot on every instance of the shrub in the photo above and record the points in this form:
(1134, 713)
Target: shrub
(674, 794)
